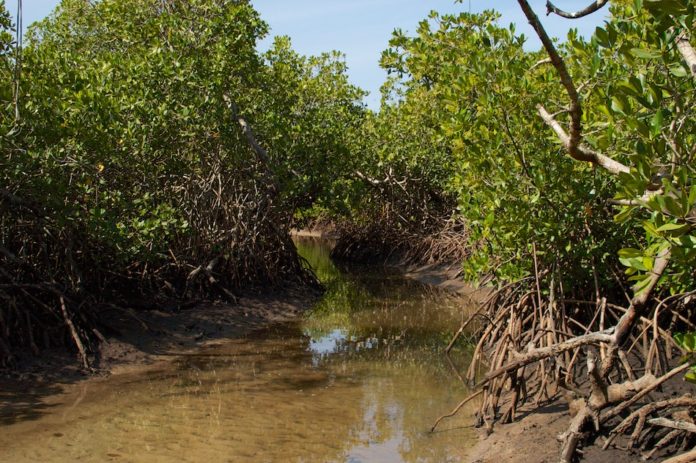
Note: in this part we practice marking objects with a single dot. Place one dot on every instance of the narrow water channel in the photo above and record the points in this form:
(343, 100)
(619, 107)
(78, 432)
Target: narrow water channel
(359, 379)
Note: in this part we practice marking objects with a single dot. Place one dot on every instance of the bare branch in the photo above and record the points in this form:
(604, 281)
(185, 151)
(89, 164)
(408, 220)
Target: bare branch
(589, 9)
(687, 52)
(541, 62)
(456, 409)
(575, 109)
(637, 201)
(667, 423)
(261, 154)
(535, 354)
(683, 458)
(581, 152)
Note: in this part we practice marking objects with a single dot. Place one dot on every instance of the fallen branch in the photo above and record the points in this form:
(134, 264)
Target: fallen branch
(641, 414)
(688, 457)
(623, 406)
(667, 423)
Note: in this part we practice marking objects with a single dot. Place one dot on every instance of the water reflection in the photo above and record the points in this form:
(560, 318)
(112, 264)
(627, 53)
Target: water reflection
(359, 380)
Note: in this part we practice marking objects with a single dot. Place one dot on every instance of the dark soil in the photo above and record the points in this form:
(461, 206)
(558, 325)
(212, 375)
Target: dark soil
(141, 337)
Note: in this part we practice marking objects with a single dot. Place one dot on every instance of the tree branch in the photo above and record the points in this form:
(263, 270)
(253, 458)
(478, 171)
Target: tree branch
(638, 201)
(687, 52)
(535, 354)
(575, 109)
(635, 310)
(261, 154)
(581, 152)
(589, 9)
(667, 423)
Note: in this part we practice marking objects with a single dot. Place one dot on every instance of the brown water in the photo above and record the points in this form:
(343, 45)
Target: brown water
(360, 379)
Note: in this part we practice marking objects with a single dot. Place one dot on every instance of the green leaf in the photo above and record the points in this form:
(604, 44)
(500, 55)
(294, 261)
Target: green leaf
(651, 229)
(671, 227)
(678, 70)
(624, 215)
(686, 341)
(630, 252)
(656, 123)
(645, 53)
(691, 376)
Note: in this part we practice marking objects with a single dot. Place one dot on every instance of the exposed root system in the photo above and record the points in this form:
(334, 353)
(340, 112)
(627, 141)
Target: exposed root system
(534, 347)
(379, 241)
(55, 277)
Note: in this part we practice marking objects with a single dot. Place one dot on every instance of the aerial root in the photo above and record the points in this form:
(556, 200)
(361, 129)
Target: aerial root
(530, 343)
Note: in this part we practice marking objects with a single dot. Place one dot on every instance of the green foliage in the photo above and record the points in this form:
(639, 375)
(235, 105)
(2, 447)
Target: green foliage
(311, 117)
(128, 173)
(126, 140)
(124, 103)
(640, 110)
(463, 88)
(5, 30)
(459, 114)
(6, 67)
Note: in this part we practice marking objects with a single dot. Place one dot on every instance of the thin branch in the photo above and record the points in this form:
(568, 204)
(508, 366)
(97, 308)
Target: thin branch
(582, 152)
(589, 9)
(261, 154)
(541, 62)
(456, 409)
(687, 52)
(667, 423)
(575, 109)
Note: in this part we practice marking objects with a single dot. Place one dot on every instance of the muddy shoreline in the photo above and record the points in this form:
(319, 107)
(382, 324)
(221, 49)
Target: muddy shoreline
(136, 339)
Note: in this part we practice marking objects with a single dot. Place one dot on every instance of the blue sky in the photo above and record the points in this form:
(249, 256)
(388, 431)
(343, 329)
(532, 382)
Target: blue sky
(361, 28)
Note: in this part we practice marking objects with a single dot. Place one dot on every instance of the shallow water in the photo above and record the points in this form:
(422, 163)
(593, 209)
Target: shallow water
(360, 379)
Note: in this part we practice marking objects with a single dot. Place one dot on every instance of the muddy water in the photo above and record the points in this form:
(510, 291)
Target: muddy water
(359, 379)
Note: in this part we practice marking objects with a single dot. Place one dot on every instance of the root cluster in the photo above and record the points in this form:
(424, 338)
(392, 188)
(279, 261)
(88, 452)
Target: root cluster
(380, 241)
(535, 347)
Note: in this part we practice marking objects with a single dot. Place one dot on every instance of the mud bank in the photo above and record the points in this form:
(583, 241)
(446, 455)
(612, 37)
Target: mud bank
(135, 339)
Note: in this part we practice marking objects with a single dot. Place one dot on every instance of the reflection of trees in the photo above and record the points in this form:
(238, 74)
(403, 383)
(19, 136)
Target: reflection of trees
(374, 302)
(395, 332)
(398, 405)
